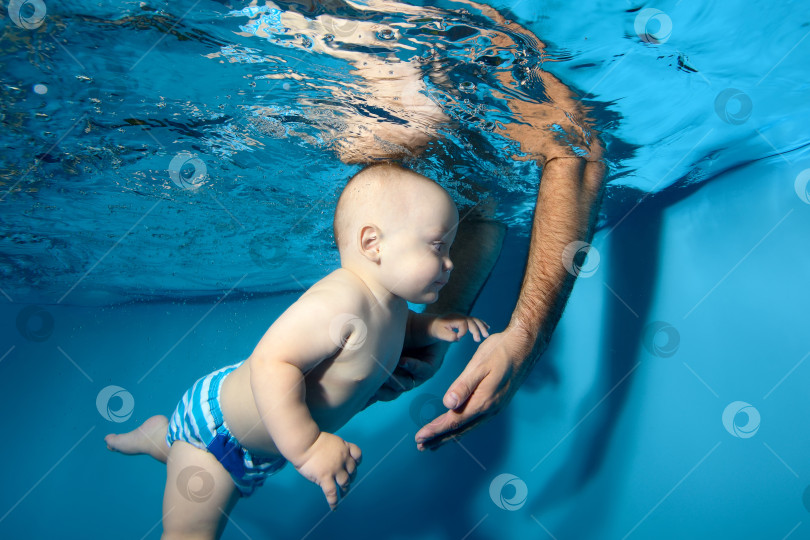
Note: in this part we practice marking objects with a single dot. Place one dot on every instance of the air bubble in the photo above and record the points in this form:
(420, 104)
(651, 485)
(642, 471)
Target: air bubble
(329, 38)
(40, 89)
(386, 34)
(305, 41)
(467, 87)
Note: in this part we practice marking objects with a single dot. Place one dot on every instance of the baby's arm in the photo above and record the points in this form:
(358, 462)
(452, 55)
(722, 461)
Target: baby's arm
(426, 329)
(295, 344)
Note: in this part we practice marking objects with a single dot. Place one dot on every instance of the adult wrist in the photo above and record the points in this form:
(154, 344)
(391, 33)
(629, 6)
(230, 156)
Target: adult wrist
(526, 336)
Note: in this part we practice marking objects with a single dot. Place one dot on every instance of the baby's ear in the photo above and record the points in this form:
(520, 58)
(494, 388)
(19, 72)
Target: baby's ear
(370, 242)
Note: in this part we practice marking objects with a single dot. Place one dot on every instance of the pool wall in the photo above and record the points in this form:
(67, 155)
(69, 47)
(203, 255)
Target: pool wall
(619, 432)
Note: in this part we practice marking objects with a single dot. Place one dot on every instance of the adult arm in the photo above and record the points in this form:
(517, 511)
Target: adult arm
(567, 203)
(558, 135)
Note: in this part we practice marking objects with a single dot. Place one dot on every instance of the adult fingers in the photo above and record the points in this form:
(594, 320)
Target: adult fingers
(464, 385)
(446, 427)
(455, 399)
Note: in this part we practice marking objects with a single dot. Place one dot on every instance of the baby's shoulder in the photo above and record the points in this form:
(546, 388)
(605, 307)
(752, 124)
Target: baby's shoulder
(339, 291)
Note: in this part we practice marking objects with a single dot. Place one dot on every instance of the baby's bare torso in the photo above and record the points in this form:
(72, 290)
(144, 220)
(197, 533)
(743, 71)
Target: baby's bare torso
(336, 389)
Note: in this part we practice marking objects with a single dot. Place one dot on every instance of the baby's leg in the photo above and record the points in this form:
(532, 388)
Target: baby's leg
(199, 494)
(149, 438)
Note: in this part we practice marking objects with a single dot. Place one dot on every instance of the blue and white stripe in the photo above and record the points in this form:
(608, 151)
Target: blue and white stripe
(198, 419)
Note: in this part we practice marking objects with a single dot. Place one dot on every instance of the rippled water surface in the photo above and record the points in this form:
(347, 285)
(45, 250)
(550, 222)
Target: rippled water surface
(157, 149)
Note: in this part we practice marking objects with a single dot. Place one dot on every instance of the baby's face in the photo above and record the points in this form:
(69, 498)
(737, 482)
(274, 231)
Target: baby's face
(416, 258)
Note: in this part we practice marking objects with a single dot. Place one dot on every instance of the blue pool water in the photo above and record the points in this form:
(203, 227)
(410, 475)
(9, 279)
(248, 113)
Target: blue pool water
(673, 400)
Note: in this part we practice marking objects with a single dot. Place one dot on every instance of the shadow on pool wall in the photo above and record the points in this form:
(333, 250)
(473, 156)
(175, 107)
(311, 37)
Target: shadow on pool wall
(632, 267)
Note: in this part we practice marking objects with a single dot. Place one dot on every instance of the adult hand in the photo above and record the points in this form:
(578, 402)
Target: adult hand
(486, 385)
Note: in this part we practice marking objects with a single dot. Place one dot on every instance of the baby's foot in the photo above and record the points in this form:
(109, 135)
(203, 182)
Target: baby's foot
(148, 438)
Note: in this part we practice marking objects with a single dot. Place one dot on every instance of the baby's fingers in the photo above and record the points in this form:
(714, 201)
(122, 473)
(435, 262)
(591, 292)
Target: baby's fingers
(355, 452)
(330, 491)
(478, 328)
(344, 481)
(351, 469)
(481, 326)
(475, 330)
(459, 328)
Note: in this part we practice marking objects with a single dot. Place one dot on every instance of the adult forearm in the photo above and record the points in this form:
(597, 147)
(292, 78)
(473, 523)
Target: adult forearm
(567, 205)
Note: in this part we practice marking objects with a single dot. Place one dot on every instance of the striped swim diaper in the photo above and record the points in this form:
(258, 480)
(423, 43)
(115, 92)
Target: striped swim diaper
(198, 421)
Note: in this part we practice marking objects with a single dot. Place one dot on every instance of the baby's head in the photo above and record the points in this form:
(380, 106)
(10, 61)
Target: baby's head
(395, 226)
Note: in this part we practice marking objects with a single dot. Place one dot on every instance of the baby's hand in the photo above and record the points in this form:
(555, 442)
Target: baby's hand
(331, 463)
(453, 326)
